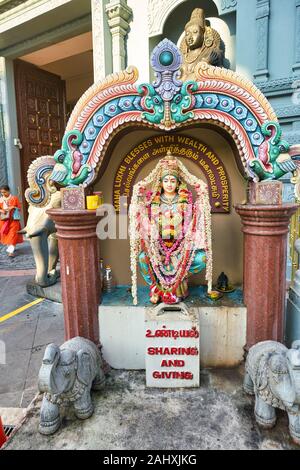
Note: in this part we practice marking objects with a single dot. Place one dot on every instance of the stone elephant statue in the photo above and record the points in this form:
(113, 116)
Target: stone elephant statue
(41, 231)
(272, 374)
(66, 377)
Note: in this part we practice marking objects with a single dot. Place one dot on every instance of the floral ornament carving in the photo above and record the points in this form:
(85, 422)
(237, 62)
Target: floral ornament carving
(40, 186)
(69, 169)
(228, 5)
(273, 158)
(167, 95)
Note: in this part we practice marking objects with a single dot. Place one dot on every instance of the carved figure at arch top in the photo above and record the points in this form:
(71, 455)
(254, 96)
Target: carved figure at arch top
(201, 43)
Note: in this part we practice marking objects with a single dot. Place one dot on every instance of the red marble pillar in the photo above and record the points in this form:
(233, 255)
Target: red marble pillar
(265, 231)
(79, 271)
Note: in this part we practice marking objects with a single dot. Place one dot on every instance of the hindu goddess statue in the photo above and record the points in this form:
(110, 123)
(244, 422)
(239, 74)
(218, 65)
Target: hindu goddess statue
(201, 43)
(170, 233)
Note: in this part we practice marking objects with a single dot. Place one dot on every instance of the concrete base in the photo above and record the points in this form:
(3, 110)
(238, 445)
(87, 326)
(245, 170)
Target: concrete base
(51, 293)
(292, 327)
(222, 330)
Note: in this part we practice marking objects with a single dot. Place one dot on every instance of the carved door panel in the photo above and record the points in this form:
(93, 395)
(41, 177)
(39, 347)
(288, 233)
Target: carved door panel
(41, 110)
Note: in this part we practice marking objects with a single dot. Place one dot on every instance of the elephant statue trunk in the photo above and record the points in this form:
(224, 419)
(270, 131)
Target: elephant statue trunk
(66, 377)
(49, 373)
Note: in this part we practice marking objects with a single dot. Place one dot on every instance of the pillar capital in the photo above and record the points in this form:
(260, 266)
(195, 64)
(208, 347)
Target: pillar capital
(118, 10)
(262, 8)
(266, 219)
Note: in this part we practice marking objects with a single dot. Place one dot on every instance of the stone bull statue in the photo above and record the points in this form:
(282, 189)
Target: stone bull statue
(40, 229)
(273, 376)
(67, 375)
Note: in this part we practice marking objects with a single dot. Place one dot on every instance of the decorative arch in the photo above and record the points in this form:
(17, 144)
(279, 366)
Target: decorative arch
(218, 96)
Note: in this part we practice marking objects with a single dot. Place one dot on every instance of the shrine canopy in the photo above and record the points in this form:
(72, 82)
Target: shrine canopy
(218, 97)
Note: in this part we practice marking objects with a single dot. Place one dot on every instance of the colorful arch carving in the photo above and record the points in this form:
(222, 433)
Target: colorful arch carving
(219, 96)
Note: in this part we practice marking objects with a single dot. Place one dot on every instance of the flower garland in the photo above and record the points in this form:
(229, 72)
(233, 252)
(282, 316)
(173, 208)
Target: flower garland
(153, 249)
(144, 233)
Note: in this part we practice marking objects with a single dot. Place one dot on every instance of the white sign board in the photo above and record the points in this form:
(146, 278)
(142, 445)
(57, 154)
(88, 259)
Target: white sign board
(172, 350)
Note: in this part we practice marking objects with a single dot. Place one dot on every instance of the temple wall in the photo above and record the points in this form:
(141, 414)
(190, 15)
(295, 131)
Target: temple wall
(227, 236)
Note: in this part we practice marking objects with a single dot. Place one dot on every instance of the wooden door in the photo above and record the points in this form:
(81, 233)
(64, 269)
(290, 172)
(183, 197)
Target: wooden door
(41, 110)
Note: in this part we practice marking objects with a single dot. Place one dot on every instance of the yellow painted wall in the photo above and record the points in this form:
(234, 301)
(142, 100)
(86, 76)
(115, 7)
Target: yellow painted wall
(226, 228)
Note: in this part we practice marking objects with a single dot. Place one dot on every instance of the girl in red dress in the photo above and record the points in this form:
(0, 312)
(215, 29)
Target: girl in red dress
(9, 225)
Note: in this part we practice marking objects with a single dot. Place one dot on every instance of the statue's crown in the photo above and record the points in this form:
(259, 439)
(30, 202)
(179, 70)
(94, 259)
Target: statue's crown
(169, 165)
(197, 17)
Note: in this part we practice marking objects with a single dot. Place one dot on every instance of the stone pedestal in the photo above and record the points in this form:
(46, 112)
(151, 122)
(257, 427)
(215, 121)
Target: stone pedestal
(265, 229)
(79, 271)
(51, 293)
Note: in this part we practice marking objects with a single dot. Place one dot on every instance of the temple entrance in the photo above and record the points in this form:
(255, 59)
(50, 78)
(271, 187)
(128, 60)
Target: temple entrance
(48, 83)
(41, 111)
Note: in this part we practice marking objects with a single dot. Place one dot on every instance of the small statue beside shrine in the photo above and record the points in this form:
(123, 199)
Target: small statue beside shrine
(272, 373)
(170, 234)
(201, 43)
(67, 375)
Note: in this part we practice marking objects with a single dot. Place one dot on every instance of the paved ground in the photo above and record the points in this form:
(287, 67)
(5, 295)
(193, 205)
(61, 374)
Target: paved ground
(25, 336)
(129, 416)
(23, 258)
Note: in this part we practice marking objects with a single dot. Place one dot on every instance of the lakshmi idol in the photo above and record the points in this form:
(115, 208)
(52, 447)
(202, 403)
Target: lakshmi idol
(170, 233)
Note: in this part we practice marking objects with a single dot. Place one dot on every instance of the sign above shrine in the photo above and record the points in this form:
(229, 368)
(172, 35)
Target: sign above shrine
(181, 146)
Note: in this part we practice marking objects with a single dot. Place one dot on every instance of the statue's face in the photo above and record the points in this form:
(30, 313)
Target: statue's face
(169, 184)
(194, 36)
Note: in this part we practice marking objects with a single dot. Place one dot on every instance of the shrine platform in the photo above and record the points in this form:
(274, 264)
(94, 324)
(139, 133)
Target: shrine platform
(222, 327)
(122, 325)
(122, 296)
